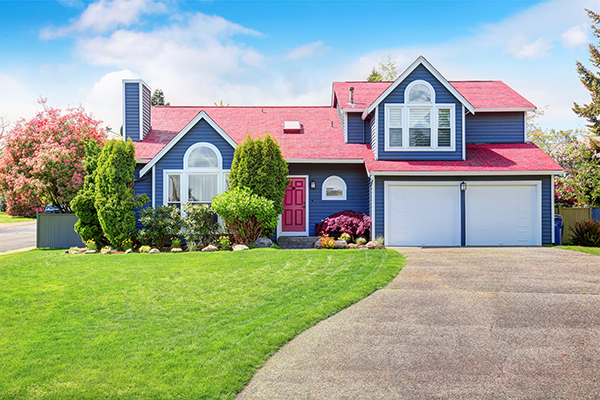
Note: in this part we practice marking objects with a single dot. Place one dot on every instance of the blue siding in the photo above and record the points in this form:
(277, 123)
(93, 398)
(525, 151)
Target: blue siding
(357, 197)
(132, 110)
(442, 95)
(547, 213)
(495, 127)
(140, 186)
(202, 132)
(356, 128)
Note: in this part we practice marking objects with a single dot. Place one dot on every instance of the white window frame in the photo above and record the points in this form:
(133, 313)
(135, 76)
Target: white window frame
(434, 126)
(324, 195)
(184, 174)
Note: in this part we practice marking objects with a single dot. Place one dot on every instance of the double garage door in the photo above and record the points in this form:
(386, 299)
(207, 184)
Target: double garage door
(438, 214)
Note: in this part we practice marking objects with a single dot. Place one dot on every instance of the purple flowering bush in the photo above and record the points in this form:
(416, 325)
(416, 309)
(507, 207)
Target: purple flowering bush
(347, 221)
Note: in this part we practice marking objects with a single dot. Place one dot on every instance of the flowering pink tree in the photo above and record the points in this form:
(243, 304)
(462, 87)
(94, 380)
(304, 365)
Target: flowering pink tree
(42, 160)
(581, 183)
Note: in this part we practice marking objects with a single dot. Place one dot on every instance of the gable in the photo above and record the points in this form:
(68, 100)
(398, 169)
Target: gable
(201, 129)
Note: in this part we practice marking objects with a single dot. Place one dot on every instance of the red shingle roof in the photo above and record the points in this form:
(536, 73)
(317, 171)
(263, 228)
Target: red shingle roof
(505, 157)
(490, 94)
(365, 93)
(321, 136)
(481, 94)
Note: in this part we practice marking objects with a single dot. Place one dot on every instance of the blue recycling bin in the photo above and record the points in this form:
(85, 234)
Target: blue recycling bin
(558, 229)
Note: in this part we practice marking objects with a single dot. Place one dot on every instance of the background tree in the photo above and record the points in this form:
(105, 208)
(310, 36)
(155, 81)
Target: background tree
(158, 98)
(115, 200)
(88, 226)
(550, 140)
(581, 183)
(591, 81)
(220, 104)
(375, 76)
(259, 166)
(387, 71)
(42, 160)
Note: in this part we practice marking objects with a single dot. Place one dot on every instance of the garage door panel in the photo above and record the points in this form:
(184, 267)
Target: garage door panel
(502, 215)
(423, 215)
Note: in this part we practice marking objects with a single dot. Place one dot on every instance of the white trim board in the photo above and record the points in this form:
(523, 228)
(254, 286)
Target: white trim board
(201, 116)
(307, 202)
(419, 61)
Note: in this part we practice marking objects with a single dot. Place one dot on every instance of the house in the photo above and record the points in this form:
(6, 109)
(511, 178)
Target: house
(432, 162)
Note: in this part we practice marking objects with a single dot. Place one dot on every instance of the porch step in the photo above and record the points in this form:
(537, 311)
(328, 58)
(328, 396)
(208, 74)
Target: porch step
(296, 242)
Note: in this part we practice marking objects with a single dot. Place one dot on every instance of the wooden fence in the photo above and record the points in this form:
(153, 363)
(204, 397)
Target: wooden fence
(570, 216)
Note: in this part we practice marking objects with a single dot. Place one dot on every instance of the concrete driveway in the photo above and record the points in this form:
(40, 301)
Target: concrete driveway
(17, 235)
(457, 323)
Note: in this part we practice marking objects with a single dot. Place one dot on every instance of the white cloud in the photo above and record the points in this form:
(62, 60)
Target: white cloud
(307, 50)
(105, 15)
(520, 48)
(575, 36)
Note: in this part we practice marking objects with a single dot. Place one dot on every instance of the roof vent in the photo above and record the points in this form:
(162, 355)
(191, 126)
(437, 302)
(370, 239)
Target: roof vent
(351, 90)
(292, 127)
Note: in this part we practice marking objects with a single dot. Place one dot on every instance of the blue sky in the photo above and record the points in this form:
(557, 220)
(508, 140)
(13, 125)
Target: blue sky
(282, 53)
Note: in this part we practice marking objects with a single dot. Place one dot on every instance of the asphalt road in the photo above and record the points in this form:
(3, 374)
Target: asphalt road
(457, 323)
(17, 235)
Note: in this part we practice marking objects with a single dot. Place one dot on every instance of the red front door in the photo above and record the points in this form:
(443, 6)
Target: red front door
(294, 207)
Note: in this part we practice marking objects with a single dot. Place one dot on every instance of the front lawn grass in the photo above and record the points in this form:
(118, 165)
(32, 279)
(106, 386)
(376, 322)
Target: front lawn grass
(4, 218)
(583, 249)
(165, 326)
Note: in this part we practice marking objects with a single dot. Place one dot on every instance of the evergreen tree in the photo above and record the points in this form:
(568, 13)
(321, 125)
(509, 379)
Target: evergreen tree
(158, 98)
(591, 81)
(115, 201)
(88, 225)
(375, 76)
(259, 165)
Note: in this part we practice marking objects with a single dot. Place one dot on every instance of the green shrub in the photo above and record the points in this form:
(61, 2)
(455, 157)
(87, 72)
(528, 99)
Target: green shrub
(380, 242)
(246, 215)
(224, 243)
(145, 249)
(88, 226)
(114, 198)
(586, 233)
(346, 237)
(200, 225)
(160, 224)
(361, 240)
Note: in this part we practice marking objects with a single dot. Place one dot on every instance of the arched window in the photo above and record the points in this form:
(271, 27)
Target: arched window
(420, 92)
(334, 188)
(203, 155)
(201, 178)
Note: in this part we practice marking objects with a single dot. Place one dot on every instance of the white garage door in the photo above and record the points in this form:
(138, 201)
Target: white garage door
(503, 214)
(418, 215)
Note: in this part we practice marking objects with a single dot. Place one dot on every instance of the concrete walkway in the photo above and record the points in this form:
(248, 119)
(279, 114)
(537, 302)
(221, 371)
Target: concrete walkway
(457, 323)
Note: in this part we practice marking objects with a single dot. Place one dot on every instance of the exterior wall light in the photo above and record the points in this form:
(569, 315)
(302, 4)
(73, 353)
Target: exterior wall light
(313, 184)
(463, 186)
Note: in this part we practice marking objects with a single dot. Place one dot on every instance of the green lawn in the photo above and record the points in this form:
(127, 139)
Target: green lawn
(165, 326)
(583, 249)
(9, 218)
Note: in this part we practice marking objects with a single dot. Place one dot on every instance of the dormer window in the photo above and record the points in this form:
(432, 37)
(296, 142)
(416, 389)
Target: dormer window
(419, 93)
(419, 124)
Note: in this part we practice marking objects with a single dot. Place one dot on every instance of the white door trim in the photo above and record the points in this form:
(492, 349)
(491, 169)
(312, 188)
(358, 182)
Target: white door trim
(306, 197)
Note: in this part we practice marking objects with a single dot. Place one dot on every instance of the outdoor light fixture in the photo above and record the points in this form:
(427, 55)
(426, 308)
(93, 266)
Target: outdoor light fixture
(463, 186)
(313, 184)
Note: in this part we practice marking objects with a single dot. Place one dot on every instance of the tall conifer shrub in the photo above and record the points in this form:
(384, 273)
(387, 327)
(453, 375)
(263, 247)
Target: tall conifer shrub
(259, 166)
(88, 225)
(115, 198)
